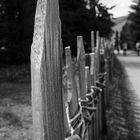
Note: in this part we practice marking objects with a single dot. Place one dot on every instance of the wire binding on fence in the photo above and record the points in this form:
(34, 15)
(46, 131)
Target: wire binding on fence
(84, 116)
(86, 108)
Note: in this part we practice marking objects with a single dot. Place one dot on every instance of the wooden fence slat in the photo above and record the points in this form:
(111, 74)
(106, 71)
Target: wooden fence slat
(88, 80)
(88, 89)
(107, 70)
(46, 69)
(81, 62)
(97, 52)
(93, 71)
(92, 41)
(99, 113)
(103, 108)
(97, 65)
(71, 89)
(93, 68)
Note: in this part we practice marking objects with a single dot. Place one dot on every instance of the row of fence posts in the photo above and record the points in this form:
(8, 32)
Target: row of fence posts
(87, 81)
(74, 109)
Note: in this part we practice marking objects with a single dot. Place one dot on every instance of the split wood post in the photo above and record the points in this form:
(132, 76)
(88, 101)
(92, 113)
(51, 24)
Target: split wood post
(88, 88)
(98, 44)
(93, 83)
(97, 52)
(107, 71)
(71, 89)
(82, 78)
(81, 61)
(46, 73)
(93, 73)
(92, 41)
(72, 96)
(93, 68)
(102, 105)
(102, 109)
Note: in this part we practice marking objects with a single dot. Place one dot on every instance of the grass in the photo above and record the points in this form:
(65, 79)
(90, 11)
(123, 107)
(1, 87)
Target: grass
(120, 114)
(15, 103)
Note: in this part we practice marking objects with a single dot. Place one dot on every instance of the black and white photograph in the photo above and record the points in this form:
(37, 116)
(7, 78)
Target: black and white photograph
(69, 69)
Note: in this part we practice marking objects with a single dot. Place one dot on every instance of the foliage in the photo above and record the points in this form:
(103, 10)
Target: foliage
(78, 18)
(18, 24)
(131, 30)
(116, 39)
(135, 18)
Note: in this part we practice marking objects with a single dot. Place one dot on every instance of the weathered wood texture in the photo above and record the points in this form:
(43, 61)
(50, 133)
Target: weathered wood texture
(52, 110)
(81, 62)
(46, 69)
(88, 89)
(72, 95)
(86, 77)
(92, 41)
(93, 68)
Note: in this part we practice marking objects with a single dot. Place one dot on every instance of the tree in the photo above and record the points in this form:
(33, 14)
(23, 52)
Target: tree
(135, 18)
(131, 30)
(21, 20)
(79, 18)
(100, 18)
(74, 18)
(18, 28)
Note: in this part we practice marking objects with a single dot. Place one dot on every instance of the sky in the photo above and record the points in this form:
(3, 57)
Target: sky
(121, 9)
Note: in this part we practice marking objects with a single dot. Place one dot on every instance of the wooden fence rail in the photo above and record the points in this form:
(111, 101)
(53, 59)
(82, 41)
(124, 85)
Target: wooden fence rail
(69, 105)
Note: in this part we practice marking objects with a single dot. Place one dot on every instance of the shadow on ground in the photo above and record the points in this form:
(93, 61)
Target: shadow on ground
(124, 114)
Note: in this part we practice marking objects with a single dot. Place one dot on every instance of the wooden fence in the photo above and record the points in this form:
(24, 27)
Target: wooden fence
(71, 104)
(86, 82)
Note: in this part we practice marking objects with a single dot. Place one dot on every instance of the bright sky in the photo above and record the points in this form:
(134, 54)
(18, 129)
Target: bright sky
(121, 9)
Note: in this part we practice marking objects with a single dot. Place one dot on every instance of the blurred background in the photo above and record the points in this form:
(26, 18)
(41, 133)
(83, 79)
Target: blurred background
(77, 17)
(116, 20)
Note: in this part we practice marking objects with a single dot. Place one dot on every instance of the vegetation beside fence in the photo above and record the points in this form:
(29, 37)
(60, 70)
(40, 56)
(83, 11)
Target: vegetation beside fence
(121, 121)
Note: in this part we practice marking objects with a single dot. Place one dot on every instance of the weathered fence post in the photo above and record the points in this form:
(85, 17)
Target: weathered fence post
(82, 76)
(107, 71)
(88, 89)
(71, 88)
(81, 61)
(46, 73)
(93, 68)
(92, 41)
(97, 52)
(93, 80)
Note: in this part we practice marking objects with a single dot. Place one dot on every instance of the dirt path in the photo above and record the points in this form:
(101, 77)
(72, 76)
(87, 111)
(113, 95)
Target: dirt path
(127, 102)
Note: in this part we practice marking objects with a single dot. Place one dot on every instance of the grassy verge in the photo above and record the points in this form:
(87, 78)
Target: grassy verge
(120, 115)
(15, 103)
(118, 73)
